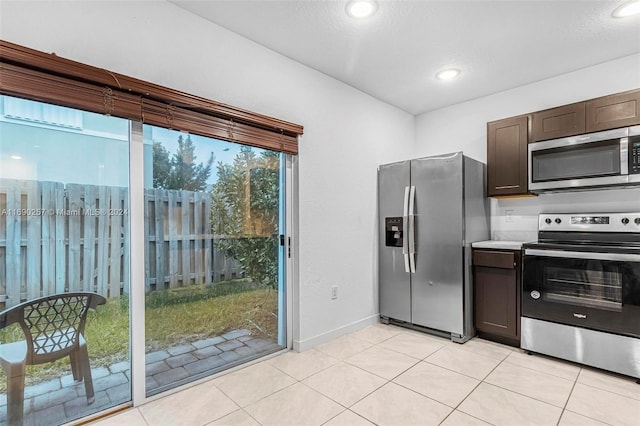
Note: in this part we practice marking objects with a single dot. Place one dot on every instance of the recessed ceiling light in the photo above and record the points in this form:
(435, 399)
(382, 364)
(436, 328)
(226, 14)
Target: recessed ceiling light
(361, 8)
(628, 8)
(448, 74)
(16, 157)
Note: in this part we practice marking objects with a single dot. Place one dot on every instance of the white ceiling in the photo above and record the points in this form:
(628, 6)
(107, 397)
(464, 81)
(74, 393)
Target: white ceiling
(395, 54)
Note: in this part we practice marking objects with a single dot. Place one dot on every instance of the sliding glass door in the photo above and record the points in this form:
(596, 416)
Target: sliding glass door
(64, 248)
(214, 260)
(214, 282)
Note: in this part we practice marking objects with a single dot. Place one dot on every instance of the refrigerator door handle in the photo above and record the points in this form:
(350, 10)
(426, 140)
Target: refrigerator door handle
(405, 224)
(412, 230)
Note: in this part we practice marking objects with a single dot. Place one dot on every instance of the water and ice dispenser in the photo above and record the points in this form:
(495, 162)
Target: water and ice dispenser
(393, 231)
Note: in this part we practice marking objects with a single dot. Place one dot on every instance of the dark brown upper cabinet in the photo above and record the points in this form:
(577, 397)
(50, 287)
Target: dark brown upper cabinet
(507, 156)
(507, 139)
(594, 115)
(610, 112)
(558, 122)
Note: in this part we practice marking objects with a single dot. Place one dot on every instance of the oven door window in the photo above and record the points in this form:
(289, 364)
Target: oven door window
(589, 160)
(593, 284)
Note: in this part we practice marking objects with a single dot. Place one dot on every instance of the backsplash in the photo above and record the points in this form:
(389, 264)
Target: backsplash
(517, 218)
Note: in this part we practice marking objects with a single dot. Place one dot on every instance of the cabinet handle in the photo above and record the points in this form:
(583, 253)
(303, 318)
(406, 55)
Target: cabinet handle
(508, 187)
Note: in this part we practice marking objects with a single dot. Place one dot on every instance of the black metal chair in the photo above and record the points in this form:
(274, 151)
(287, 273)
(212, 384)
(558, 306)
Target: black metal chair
(54, 328)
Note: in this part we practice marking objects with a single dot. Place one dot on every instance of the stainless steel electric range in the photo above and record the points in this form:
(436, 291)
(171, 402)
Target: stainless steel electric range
(581, 290)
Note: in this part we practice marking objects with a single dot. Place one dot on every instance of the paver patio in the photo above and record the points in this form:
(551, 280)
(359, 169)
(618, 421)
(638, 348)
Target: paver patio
(61, 399)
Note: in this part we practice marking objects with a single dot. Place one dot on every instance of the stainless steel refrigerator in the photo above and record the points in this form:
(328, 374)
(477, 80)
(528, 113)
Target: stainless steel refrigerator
(430, 211)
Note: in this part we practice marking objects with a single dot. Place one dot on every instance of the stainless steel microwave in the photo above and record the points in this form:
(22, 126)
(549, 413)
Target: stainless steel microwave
(609, 158)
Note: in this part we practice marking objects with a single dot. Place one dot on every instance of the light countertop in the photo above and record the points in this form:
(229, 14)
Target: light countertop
(497, 244)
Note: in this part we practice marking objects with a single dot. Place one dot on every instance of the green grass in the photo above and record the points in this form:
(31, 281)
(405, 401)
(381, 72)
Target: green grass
(172, 317)
(255, 310)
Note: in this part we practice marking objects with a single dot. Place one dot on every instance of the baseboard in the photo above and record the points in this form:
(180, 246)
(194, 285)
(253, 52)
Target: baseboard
(306, 344)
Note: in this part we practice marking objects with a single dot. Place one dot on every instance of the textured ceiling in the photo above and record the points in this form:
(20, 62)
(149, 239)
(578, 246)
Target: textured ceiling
(395, 54)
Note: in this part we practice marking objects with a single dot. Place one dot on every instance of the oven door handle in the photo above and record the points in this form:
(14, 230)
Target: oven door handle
(623, 257)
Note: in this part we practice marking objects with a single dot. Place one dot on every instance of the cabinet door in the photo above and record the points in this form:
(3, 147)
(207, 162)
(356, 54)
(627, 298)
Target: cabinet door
(507, 156)
(558, 122)
(496, 301)
(610, 112)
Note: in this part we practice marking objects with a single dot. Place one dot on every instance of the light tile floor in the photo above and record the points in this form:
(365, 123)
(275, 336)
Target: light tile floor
(388, 375)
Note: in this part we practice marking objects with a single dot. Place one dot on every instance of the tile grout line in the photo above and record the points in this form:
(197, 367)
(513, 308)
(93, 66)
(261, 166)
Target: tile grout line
(473, 390)
(592, 387)
(417, 362)
(524, 395)
(240, 407)
(505, 359)
(369, 372)
(564, 408)
(412, 390)
(297, 381)
(387, 381)
(609, 391)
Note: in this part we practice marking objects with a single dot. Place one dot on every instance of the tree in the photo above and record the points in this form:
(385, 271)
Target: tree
(180, 172)
(245, 213)
(161, 165)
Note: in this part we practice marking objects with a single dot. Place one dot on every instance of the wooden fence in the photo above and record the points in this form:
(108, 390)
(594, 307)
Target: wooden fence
(180, 246)
(56, 238)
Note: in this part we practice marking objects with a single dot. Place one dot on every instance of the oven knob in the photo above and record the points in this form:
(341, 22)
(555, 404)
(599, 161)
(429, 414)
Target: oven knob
(625, 220)
(558, 220)
(547, 221)
(636, 220)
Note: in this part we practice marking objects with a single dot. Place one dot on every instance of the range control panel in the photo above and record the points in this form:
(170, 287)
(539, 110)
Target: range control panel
(589, 222)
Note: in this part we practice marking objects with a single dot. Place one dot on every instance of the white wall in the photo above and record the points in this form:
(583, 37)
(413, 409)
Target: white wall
(347, 133)
(462, 127)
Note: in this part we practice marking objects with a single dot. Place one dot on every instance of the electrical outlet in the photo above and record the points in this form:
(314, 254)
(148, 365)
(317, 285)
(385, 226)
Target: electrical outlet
(508, 215)
(334, 292)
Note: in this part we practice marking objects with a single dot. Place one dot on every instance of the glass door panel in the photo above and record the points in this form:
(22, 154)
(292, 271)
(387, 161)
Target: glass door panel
(64, 247)
(592, 283)
(214, 282)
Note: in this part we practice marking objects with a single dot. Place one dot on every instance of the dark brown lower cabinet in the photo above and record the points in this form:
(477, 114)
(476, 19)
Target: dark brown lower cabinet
(497, 295)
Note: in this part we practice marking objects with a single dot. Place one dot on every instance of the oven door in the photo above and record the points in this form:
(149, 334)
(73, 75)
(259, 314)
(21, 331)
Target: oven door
(599, 291)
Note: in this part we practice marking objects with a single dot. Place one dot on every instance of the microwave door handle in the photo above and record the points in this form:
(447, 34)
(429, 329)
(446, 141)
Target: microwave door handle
(405, 229)
(412, 230)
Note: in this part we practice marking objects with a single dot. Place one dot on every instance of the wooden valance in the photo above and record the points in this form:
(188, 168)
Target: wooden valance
(45, 77)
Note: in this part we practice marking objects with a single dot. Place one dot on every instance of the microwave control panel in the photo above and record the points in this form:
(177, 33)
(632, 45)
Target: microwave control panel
(634, 155)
